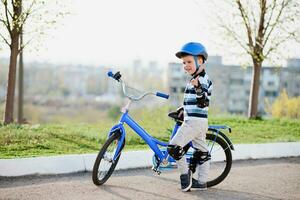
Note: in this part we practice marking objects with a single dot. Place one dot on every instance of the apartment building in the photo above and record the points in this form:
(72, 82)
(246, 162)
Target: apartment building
(290, 78)
(232, 84)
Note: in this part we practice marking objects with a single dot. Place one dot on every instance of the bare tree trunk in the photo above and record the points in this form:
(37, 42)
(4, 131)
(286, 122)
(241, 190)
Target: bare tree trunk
(254, 92)
(9, 107)
(14, 31)
(20, 85)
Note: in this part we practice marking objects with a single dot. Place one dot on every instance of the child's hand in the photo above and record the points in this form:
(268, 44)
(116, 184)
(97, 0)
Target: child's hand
(195, 82)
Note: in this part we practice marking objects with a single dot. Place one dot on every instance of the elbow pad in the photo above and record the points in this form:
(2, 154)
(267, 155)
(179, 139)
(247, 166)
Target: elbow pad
(202, 100)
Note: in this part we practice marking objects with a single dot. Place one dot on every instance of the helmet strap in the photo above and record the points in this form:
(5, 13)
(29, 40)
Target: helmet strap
(197, 65)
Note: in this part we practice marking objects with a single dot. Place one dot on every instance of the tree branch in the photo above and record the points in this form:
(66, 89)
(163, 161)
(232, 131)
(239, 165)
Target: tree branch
(23, 46)
(1, 20)
(29, 11)
(5, 40)
(246, 23)
(254, 21)
(36, 8)
(283, 5)
(9, 13)
(260, 35)
(236, 38)
(17, 9)
(276, 44)
(271, 15)
(7, 19)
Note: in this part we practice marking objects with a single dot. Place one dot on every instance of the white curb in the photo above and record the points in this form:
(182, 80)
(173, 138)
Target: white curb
(41, 165)
(131, 159)
(268, 150)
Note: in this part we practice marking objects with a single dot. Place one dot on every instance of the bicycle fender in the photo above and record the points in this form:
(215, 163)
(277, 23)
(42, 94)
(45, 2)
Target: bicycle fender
(119, 129)
(228, 141)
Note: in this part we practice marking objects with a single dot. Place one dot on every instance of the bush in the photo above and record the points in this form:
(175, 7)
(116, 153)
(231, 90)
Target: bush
(284, 106)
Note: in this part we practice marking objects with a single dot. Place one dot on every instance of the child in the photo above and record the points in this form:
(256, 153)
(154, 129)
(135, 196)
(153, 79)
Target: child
(195, 106)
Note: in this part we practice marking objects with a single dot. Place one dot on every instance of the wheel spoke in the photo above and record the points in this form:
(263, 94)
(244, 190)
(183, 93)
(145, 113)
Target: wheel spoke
(105, 163)
(220, 162)
(106, 158)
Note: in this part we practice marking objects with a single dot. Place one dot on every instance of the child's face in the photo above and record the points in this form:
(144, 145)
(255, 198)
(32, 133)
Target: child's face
(189, 64)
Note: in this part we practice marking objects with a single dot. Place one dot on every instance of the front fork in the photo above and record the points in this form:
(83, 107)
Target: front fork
(118, 129)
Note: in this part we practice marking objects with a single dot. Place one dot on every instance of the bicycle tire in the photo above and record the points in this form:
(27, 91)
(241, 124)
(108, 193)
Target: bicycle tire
(220, 141)
(109, 142)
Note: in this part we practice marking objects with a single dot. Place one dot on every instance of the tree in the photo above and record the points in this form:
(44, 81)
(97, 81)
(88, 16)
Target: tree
(14, 15)
(261, 28)
(13, 19)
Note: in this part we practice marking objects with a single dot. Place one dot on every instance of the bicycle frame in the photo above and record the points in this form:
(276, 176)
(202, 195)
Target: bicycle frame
(151, 141)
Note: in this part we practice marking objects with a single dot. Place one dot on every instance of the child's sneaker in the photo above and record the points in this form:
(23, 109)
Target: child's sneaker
(186, 181)
(198, 186)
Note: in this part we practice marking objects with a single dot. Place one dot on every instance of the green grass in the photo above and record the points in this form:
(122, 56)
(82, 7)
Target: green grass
(55, 139)
(260, 131)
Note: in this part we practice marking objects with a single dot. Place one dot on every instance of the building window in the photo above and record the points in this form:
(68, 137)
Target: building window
(271, 94)
(175, 79)
(271, 83)
(176, 69)
(236, 81)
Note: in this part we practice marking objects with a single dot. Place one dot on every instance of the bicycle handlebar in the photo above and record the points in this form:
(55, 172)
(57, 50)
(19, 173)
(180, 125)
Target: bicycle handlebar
(117, 76)
(110, 74)
(159, 94)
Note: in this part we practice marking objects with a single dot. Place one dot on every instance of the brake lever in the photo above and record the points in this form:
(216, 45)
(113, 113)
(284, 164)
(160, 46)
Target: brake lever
(117, 76)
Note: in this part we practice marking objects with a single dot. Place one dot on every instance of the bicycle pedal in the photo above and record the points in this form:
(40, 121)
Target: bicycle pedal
(156, 170)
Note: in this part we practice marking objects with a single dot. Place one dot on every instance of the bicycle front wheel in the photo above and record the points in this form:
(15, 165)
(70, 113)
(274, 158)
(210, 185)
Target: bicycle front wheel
(104, 164)
(221, 159)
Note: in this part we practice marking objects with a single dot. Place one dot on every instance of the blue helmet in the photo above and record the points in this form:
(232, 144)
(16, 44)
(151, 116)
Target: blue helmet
(194, 49)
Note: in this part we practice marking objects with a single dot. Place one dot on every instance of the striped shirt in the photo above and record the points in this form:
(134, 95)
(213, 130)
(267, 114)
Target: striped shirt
(190, 102)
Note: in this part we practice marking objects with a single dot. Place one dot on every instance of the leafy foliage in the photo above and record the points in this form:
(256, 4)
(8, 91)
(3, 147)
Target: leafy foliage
(285, 106)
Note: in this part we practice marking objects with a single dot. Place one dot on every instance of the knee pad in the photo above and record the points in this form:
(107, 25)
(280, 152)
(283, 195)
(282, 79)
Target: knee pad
(198, 157)
(201, 157)
(177, 152)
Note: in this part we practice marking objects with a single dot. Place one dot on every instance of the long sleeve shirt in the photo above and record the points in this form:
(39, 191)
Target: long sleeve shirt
(191, 109)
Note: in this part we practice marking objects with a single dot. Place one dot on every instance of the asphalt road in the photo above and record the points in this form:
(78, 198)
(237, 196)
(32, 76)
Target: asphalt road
(254, 179)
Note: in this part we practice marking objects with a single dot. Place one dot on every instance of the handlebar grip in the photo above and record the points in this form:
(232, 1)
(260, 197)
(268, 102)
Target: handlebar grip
(159, 94)
(110, 74)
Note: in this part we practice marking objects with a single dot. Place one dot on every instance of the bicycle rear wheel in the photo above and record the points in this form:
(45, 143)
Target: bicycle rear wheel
(221, 159)
(104, 164)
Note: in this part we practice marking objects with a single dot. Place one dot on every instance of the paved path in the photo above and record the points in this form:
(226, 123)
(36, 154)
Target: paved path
(254, 179)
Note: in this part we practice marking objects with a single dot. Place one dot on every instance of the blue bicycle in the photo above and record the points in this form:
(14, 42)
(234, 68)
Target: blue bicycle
(219, 144)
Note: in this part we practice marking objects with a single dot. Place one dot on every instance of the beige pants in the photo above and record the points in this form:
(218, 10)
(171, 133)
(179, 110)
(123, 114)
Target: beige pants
(192, 130)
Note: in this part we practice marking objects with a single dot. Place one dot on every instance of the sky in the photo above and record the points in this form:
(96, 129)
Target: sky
(116, 32)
